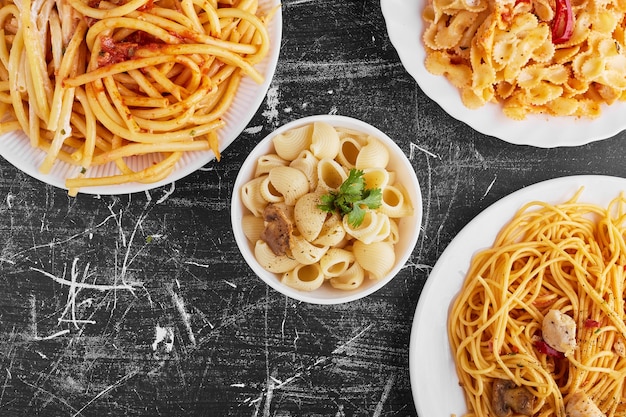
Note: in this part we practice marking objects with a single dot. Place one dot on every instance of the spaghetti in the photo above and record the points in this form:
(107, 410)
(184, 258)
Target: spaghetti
(566, 260)
(97, 82)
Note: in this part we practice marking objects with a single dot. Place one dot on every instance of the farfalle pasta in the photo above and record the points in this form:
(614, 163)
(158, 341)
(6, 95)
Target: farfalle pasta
(294, 237)
(552, 57)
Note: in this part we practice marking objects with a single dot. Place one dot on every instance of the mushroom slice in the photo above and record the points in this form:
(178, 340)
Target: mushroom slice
(581, 405)
(559, 331)
(508, 398)
(278, 228)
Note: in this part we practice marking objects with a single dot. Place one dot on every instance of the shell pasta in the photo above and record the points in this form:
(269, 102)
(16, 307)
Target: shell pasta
(306, 246)
(541, 314)
(142, 79)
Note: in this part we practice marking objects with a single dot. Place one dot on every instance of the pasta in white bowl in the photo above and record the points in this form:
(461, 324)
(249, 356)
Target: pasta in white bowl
(289, 215)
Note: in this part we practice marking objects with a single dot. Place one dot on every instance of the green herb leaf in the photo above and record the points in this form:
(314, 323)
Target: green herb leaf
(352, 198)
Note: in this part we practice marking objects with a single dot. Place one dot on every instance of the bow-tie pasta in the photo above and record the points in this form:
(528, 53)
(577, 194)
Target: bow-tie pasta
(562, 57)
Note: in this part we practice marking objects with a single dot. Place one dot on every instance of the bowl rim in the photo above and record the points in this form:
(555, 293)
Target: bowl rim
(237, 210)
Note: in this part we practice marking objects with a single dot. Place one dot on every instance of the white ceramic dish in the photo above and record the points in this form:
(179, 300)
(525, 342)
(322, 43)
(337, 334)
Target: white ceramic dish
(409, 226)
(405, 27)
(434, 381)
(17, 150)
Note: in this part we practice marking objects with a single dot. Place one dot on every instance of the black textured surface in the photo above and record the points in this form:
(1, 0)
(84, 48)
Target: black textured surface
(239, 348)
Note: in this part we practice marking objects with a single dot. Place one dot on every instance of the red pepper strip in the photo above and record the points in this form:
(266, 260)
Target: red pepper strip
(563, 22)
(543, 347)
(589, 323)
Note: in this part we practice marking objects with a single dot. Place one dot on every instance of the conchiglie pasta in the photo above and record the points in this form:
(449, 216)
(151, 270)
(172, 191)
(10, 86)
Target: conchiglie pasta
(336, 262)
(304, 251)
(394, 232)
(372, 155)
(304, 277)
(349, 149)
(395, 201)
(251, 196)
(307, 163)
(345, 132)
(269, 192)
(290, 182)
(324, 141)
(272, 262)
(377, 258)
(374, 228)
(330, 175)
(309, 219)
(378, 177)
(349, 280)
(267, 162)
(252, 227)
(332, 233)
(289, 144)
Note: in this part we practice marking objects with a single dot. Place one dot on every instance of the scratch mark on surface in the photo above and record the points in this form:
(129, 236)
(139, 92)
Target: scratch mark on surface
(298, 2)
(179, 303)
(99, 287)
(105, 391)
(7, 378)
(163, 334)
(9, 199)
(167, 193)
(383, 398)
(74, 287)
(271, 114)
(232, 284)
(50, 394)
(197, 264)
(33, 315)
(54, 335)
(66, 240)
(448, 209)
(489, 187)
(342, 348)
(268, 397)
(413, 147)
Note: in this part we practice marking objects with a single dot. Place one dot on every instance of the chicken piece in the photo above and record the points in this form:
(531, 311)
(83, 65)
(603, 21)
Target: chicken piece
(580, 405)
(507, 398)
(559, 332)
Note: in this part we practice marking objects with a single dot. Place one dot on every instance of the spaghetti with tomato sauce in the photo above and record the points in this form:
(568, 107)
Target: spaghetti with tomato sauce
(125, 80)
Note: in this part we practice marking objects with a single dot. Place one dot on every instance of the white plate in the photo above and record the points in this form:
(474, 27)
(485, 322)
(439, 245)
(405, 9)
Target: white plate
(16, 148)
(434, 381)
(405, 27)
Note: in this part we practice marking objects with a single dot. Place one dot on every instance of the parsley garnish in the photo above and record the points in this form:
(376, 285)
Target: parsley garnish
(352, 198)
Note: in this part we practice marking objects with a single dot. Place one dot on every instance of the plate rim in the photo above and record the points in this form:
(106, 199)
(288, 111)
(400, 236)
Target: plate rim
(450, 259)
(403, 20)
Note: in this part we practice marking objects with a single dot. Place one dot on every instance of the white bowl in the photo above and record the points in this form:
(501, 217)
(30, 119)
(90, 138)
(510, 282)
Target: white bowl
(409, 226)
(17, 150)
